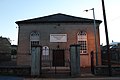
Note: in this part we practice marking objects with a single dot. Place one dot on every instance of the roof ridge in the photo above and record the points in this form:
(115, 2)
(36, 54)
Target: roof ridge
(58, 17)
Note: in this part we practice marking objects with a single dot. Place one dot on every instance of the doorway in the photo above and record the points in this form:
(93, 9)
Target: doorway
(58, 58)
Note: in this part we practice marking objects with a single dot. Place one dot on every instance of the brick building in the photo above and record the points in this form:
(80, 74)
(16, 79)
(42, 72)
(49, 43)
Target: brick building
(55, 33)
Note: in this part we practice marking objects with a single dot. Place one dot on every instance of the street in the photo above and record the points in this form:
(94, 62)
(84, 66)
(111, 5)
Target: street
(85, 78)
(100, 78)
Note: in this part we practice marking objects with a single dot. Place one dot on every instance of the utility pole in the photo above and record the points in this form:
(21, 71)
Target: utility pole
(107, 39)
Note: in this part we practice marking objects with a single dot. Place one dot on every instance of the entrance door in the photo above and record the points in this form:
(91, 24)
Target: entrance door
(58, 58)
(92, 62)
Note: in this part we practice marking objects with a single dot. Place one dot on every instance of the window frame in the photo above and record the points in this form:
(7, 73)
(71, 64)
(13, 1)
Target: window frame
(82, 40)
(45, 51)
(34, 39)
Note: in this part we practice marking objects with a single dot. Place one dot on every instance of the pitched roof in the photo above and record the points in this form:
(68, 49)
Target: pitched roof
(58, 18)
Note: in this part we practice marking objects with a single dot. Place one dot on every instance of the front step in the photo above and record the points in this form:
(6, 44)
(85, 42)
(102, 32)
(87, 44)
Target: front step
(55, 72)
(55, 69)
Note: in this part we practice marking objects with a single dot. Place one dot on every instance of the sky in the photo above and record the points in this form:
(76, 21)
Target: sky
(17, 10)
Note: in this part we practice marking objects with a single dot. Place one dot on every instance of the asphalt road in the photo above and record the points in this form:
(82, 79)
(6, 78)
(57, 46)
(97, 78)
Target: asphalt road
(105, 78)
(87, 78)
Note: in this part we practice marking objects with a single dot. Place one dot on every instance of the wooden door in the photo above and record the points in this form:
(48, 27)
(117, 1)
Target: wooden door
(58, 58)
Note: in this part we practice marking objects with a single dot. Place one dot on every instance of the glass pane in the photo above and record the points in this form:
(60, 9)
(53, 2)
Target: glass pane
(45, 50)
(82, 40)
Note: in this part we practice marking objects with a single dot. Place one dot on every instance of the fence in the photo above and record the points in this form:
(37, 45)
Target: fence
(114, 61)
(115, 56)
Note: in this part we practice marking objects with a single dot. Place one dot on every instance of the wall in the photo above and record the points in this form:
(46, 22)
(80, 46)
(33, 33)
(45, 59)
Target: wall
(71, 29)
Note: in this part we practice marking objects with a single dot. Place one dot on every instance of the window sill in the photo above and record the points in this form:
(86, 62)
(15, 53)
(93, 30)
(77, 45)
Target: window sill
(84, 54)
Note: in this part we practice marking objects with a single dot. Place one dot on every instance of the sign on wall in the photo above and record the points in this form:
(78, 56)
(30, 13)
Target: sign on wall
(58, 37)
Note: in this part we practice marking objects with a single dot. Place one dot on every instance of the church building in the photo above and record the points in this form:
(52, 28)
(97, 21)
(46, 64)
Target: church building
(55, 33)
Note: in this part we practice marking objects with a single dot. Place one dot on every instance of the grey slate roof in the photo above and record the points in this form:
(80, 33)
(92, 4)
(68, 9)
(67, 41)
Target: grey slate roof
(58, 18)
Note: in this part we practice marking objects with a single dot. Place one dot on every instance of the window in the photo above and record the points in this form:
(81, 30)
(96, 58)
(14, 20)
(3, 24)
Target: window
(34, 43)
(34, 36)
(45, 51)
(82, 40)
(34, 39)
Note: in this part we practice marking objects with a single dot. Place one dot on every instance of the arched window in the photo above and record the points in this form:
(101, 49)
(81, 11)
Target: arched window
(34, 38)
(45, 50)
(82, 40)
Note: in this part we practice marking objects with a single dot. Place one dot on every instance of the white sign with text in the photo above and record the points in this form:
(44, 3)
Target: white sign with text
(58, 37)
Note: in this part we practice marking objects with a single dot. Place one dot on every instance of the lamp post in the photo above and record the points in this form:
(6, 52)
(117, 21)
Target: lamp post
(95, 34)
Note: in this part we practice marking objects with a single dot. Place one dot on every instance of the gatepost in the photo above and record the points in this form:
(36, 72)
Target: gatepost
(36, 60)
(75, 60)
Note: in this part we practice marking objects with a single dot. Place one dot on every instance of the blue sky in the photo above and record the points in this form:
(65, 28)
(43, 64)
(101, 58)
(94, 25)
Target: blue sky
(15, 10)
